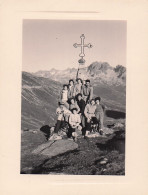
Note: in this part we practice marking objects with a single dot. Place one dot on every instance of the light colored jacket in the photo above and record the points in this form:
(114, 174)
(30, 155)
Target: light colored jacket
(89, 111)
(71, 91)
(78, 88)
(87, 91)
(63, 111)
(74, 119)
(64, 95)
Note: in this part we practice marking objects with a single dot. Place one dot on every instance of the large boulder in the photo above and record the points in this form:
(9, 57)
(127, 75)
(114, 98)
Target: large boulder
(54, 148)
(42, 147)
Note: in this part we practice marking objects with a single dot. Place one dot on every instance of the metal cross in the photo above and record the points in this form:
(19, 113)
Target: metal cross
(82, 45)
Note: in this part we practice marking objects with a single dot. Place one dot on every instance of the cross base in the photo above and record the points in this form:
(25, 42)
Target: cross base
(81, 61)
(82, 72)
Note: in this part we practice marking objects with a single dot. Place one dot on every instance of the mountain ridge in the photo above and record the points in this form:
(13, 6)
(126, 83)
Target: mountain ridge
(98, 72)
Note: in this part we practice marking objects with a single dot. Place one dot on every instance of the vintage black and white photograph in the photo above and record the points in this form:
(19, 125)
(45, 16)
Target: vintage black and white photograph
(73, 98)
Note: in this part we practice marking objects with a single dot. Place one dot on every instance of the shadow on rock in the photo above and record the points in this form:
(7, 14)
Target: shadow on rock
(110, 126)
(46, 130)
(115, 114)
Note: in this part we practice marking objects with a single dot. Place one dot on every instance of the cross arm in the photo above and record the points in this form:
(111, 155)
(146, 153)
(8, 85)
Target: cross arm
(88, 45)
(77, 45)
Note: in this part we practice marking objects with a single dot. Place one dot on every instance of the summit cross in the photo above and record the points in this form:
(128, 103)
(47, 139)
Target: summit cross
(82, 45)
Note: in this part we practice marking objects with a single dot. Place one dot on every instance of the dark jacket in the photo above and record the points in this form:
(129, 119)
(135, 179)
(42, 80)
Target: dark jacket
(81, 105)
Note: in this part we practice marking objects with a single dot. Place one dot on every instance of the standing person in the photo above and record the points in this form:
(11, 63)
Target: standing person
(62, 115)
(64, 95)
(87, 91)
(89, 112)
(74, 123)
(71, 89)
(78, 86)
(73, 104)
(99, 114)
(81, 104)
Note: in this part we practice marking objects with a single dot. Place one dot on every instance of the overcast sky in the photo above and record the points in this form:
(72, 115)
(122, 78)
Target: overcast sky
(49, 43)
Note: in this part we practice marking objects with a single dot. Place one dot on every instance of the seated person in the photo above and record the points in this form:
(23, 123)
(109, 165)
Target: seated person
(81, 104)
(74, 123)
(73, 104)
(87, 91)
(89, 112)
(62, 115)
(71, 89)
(78, 86)
(64, 95)
(99, 114)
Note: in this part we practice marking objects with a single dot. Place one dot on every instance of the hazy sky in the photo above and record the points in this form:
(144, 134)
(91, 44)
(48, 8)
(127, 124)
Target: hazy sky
(49, 43)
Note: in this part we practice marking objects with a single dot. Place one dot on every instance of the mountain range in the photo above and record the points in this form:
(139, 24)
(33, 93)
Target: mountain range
(40, 92)
(100, 72)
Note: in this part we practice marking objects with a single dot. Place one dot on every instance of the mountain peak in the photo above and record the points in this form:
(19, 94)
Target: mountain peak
(99, 67)
(120, 71)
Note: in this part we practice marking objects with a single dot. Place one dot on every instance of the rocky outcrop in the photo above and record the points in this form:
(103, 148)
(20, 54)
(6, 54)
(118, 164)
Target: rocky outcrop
(54, 148)
(98, 67)
(121, 72)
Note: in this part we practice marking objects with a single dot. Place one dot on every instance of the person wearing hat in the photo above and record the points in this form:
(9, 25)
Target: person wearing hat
(62, 115)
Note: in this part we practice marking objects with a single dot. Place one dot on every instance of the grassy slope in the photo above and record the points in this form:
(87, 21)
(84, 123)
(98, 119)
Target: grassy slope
(39, 100)
(112, 96)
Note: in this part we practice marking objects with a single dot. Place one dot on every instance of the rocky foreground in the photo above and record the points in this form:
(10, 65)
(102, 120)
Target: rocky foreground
(96, 155)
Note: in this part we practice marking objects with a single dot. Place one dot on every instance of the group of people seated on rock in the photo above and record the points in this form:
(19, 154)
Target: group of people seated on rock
(78, 110)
